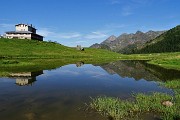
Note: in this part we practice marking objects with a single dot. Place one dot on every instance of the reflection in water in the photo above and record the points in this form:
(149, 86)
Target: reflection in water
(162, 73)
(141, 70)
(60, 94)
(25, 78)
(79, 64)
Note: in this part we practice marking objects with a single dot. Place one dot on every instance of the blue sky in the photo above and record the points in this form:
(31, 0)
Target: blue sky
(85, 22)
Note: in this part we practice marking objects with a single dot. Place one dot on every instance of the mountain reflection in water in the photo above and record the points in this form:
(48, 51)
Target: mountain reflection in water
(141, 70)
(61, 94)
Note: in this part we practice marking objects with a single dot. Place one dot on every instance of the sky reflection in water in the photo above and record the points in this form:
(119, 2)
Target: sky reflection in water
(62, 93)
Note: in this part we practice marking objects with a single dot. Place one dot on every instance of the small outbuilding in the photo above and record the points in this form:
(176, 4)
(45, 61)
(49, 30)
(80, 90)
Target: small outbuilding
(79, 48)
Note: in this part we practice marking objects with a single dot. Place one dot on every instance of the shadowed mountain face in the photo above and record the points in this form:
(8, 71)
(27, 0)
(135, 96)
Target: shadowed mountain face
(126, 43)
(167, 42)
(140, 70)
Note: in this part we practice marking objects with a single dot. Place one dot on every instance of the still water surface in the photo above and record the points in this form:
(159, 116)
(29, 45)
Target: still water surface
(61, 94)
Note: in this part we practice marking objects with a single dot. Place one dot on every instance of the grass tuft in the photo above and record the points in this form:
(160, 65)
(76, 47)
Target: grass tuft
(123, 109)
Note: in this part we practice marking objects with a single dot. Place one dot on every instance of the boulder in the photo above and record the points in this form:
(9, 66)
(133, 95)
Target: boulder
(167, 103)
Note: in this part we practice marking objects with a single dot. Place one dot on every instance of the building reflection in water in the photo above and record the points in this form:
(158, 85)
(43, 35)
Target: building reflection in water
(25, 78)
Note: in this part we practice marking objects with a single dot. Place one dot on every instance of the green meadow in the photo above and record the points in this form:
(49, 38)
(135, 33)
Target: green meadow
(16, 48)
(30, 55)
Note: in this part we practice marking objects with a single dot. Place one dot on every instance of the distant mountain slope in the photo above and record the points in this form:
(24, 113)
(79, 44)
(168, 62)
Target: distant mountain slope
(126, 43)
(100, 46)
(105, 44)
(167, 42)
(109, 40)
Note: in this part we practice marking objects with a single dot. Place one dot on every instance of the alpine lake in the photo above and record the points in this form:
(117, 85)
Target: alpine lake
(64, 93)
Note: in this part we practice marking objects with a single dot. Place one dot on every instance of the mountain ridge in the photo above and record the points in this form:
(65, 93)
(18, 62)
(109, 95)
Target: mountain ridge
(126, 43)
(169, 41)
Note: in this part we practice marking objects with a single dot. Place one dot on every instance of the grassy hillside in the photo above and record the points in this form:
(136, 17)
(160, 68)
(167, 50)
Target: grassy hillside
(48, 55)
(16, 48)
(167, 42)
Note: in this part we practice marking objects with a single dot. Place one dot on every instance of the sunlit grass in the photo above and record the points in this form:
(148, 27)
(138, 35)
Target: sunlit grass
(15, 48)
(123, 109)
(30, 55)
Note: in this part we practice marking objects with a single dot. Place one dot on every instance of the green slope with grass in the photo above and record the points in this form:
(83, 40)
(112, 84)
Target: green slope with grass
(20, 54)
(16, 48)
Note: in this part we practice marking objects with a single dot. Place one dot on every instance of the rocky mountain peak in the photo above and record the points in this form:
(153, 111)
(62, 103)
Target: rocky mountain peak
(109, 40)
(126, 43)
(139, 32)
(150, 32)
